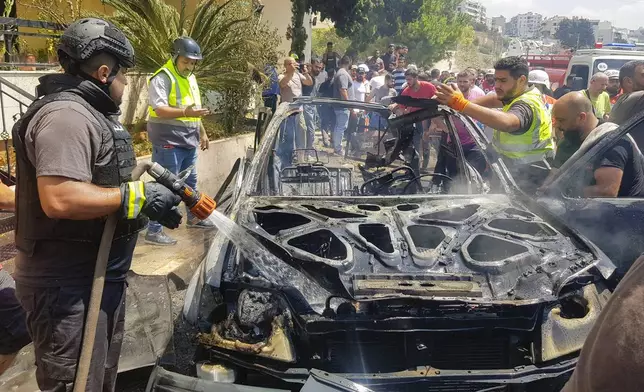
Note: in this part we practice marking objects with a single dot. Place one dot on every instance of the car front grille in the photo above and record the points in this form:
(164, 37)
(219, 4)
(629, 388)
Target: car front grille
(366, 352)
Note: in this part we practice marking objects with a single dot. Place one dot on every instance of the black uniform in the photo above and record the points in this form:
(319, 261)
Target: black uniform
(54, 267)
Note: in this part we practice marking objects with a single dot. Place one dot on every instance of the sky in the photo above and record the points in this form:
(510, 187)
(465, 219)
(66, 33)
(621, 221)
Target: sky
(622, 13)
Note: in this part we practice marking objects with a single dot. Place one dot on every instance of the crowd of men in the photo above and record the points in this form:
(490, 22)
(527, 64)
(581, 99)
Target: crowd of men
(373, 80)
(533, 128)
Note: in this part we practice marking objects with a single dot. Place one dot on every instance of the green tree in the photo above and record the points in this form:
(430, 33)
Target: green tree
(439, 28)
(575, 33)
(322, 36)
(349, 16)
(235, 44)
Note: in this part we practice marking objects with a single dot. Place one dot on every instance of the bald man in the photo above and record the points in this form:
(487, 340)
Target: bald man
(597, 94)
(618, 172)
(574, 117)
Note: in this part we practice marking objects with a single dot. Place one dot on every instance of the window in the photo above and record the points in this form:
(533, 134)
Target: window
(580, 71)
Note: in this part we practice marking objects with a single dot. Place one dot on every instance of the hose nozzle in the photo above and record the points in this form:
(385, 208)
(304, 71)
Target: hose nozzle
(199, 204)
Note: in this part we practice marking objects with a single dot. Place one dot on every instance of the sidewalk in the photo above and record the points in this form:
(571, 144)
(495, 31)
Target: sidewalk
(177, 262)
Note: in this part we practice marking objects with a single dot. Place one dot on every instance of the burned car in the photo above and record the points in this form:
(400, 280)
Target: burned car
(410, 262)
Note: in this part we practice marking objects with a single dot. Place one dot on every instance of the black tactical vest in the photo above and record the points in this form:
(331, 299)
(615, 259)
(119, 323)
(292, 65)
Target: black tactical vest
(32, 224)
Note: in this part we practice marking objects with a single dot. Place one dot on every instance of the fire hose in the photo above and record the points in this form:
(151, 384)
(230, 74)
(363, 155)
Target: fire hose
(199, 204)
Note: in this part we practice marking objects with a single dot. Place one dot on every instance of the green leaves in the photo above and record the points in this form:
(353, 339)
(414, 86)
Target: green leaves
(576, 33)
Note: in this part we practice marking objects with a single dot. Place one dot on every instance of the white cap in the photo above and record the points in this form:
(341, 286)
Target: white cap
(363, 68)
(612, 74)
(489, 72)
(539, 77)
(354, 66)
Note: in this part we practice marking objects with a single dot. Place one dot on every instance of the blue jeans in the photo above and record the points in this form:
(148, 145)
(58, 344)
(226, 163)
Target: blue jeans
(286, 141)
(341, 125)
(175, 159)
(310, 113)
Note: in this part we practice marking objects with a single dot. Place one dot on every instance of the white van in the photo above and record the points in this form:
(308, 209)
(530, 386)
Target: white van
(586, 62)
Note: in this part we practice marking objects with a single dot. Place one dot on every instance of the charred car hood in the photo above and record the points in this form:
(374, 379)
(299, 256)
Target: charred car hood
(482, 248)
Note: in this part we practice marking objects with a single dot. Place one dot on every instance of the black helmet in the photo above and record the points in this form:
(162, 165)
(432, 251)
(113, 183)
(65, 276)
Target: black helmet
(186, 47)
(89, 36)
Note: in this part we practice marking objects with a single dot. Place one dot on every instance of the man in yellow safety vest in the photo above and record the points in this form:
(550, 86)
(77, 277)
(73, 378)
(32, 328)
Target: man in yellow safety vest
(174, 126)
(522, 130)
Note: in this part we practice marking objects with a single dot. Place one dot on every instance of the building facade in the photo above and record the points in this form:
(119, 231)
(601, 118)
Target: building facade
(526, 25)
(605, 32)
(475, 10)
(498, 24)
(549, 26)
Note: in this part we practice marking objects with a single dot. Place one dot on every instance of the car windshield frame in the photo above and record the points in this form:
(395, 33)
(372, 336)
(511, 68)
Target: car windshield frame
(258, 180)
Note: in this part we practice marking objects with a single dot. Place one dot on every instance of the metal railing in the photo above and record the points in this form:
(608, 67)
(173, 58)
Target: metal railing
(9, 92)
(11, 29)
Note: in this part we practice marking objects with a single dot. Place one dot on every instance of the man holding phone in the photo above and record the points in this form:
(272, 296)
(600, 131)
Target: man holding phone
(291, 134)
(175, 128)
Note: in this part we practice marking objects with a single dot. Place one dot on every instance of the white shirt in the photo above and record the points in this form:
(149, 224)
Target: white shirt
(377, 82)
(360, 90)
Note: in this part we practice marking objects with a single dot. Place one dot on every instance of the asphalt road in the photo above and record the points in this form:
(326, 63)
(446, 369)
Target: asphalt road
(184, 345)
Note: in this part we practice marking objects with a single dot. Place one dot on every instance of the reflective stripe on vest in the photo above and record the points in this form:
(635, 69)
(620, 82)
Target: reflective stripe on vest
(183, 93)
(533, 145)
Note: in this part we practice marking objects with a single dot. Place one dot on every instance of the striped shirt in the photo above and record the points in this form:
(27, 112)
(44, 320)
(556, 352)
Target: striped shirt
(399, 79)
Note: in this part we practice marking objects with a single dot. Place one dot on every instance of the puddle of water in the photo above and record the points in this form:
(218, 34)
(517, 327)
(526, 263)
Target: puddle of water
(270, 266)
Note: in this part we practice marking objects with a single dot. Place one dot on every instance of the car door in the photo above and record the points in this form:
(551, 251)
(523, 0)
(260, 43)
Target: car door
(615, 225)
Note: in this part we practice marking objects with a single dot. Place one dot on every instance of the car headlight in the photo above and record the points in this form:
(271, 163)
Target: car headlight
(567, 324)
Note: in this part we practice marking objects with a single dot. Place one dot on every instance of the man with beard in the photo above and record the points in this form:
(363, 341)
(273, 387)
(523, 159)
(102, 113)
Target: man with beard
(74, 168)
(174, 127)
(310, 113)
(467, 87)
(613, 89)
(618, 172)
(631, 102)
(376, 62)
(415, 89)
(390, 58)
(342, 85)
(361, 84)
(330, 58)
(522, 131)
(574, 118)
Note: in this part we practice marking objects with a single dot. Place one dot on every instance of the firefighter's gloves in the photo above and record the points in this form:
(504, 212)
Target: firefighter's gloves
(451, 97)
(151, 199)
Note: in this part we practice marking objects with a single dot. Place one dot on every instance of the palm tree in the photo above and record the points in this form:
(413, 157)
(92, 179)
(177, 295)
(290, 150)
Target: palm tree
(233, 40)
